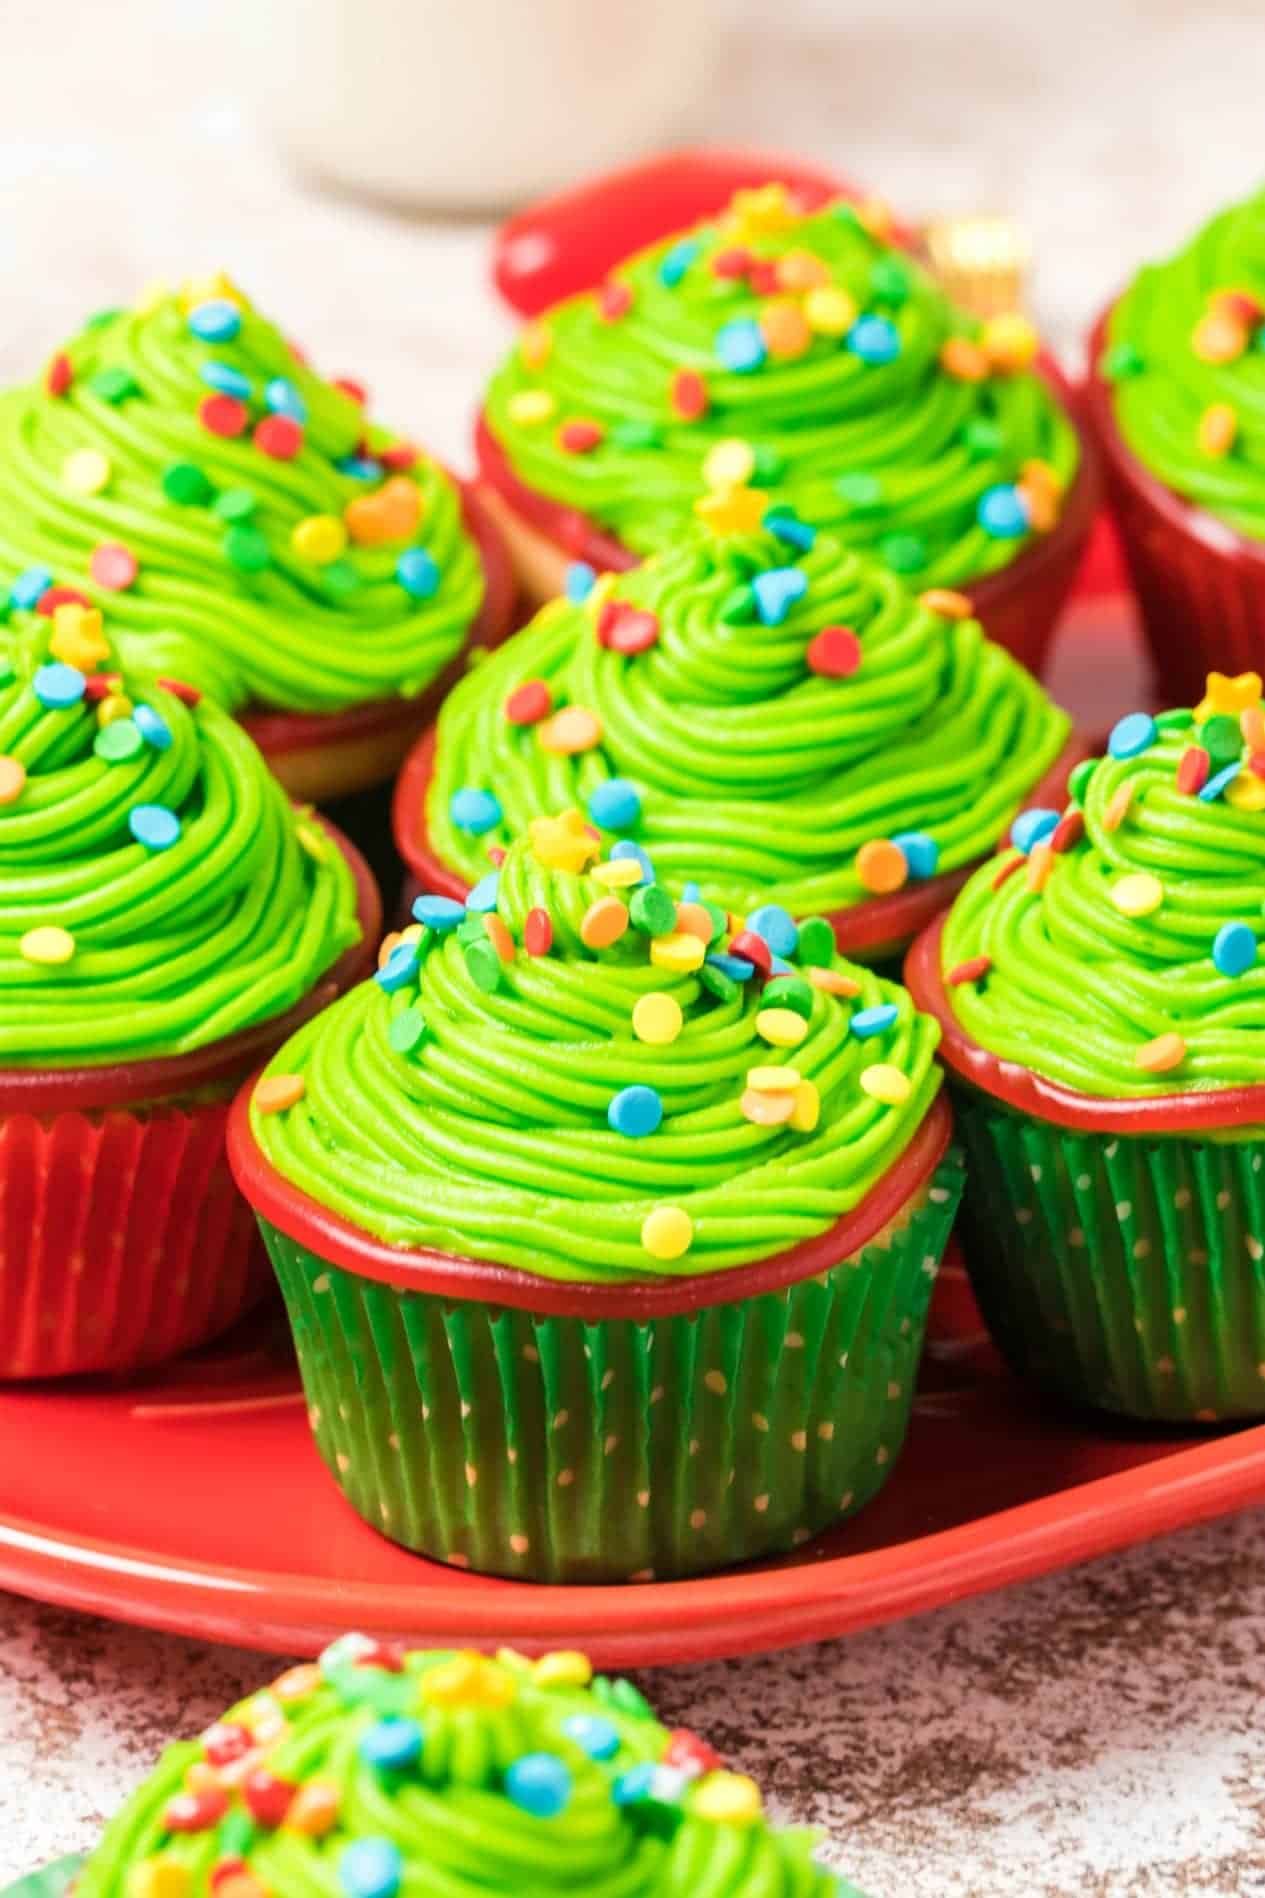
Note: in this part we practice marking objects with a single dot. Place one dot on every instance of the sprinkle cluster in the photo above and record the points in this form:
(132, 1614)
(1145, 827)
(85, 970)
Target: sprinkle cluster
(1231, 323)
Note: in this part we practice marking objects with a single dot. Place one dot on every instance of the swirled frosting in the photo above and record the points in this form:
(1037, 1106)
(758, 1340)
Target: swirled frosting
(1184, 352)
(1117, 949)
(246, 527)
(157, 890)
(583, 1077)
(380, 1771)
(804, 360)
(795, 713)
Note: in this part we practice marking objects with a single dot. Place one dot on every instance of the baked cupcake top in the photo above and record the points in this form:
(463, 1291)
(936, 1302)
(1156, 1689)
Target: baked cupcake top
(157, 890)
(1116, 947)
(1186, 355)
(586, 1076)
(769, 713)
(246, 526)
(380, 1770)
(798, 359)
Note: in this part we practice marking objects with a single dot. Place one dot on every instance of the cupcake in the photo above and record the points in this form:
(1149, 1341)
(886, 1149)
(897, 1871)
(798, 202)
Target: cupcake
(606, 1225)
(1102, 1002)
(248, 530)
(767, 713)
(770, 360)
(166, 918)
(1174, 396)
(381, 1770)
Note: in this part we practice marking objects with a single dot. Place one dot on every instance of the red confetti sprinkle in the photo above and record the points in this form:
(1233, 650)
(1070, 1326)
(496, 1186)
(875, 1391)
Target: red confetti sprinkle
(59, 375)
(1192, 769)
(388, 1655)
(580, 437)
(690, 1754)
(626, 629)
(230, 1870)
(356, 390)
(398, 457)
(614, 300)
(1256, 763)
(1241, 305)
(267, 1798)
(763, 277)
(196, 1812)
(1008, 869)
(752, 948)
(223, 415)
(970, 971)
(225, 1742)
(179, 690)
(99, 685)
(527, 704)
(835, 652)
(1068, 832)
(689, 394)
(538, 932)
(734, 262)
(279, 436)
(496, 856)
(53, 597)
(113, 566)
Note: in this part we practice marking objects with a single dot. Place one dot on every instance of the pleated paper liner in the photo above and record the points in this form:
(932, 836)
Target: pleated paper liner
(875, 931)
(1116, 1246)
(1200, 585)
(123, 1239)
(524, 1427)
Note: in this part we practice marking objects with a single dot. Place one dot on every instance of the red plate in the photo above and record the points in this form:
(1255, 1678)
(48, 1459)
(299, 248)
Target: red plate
(195, 1501)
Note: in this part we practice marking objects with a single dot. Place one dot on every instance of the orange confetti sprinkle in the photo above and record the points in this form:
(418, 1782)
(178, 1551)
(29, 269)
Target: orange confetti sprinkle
(603, 923)
(1158, 1056)
(945, 602)
(694, 920)
(297, 1683)
(767, 1110)
(881, 866)
(390, 942)
(570, 730)
(785, 330)
(278, 1091)
(1218, 427)
(801, 270)
(499, 936)
(535, 345)
(1252, 726)
(964, 360)
(1117, 807)
(390, 514)
(831, 982)
(1040, 864)
(314, 1809)
(12, 779)
(1219, 337)
(1009, 341)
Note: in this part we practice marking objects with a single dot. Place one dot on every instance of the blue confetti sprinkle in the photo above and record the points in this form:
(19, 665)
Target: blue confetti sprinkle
(776, 591)
(371, 1868)
(635, 1111)
(216, 322)
(691, 892)
(399, 969)
(1033, 827)
(1001, 512)
(921, 852)
(539, 1784)
(597, 1737)
(154, 826)
(740, 345)
(778, 965)
(284, 399)
(440, 913)
(360, 468)
(1131, 735)
(776, 926)
(475, 811)
(223, 376)
(790, 529)
(1216, 784)
(737, 968)
(59, 686)
(868, 1022)
(875, 339)
(634, 1785)
(627, 848)
(392, 1745)
(417, 573)
(153, 728)
(482, 898)
(675, 262)
(30, 587)
(1234, 949)
(614, 805)
(580, 581)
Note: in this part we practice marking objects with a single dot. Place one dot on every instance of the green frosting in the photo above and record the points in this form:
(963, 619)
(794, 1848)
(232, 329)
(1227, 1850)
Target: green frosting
(380, 1772)
(224, 596)
(1176, 349)
(227, 917)
(864, 431)
(1079, 988)
(467, 1109)
(750, 770)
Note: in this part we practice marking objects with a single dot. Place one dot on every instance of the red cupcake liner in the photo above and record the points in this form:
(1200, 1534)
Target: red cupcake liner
(882, 926)
(421, 1269)
(320, 755)
(1200, 586)
(123, 1239)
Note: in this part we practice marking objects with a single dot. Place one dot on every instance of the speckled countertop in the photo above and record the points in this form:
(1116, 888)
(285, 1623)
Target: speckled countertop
(1098, 1733)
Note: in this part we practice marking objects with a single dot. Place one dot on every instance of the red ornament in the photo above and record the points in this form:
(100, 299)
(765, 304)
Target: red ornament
(580, 437)
(626, 629)
(113, 566)
(614, 300)
(399, 457)
(279, 436)
(223, 415)
(356, 390)
(1192, 769)
(691, 1755)
(734, 262)
(267, 1798)
(1068, 832)
(538, 932)
(689, 395)
(835, 652)
(529, 703)
(970, 971)
(59, 375)
(227, 1740)
(189, 694)
(752, 948)
(196, 1812)
(53, 597)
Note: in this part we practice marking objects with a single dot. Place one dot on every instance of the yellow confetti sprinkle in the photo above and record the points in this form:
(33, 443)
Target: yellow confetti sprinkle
(536, 345)
(159, 1878)
(213, 288)
(50, 943)
(830, 311)
(1138, 894)
(730, 464)
(114, 705)
(773, 1080)
(529, 407)
(1246, 792)
(781, 1027)
(1218, 429)
(564, 1668)
(619, 874)
(679, 952)
(807, 1111)
(467, 1680)
(883, 1082)
(728, 1799)
(756, 212)
(1009, 341)
(573, 729)
(666, 1232)
(86, 471)
(657, 1019)
(320, 538)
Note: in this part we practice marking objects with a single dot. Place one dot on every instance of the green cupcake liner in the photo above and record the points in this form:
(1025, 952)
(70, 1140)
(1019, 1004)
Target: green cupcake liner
(1116, 1270)
(558, 1449)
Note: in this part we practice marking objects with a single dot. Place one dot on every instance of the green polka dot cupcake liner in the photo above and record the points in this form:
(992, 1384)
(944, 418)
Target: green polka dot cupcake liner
(564, 1433)
(1116, 1270)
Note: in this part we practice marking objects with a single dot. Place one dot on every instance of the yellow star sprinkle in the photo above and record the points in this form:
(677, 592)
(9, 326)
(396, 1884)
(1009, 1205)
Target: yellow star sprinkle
(732, 510)
(77, 636)
(754, 213)
(468, 1680)
(562, 843)
(1228, 695)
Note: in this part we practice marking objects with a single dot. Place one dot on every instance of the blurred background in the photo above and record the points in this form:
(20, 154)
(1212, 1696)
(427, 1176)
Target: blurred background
(345, 158)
